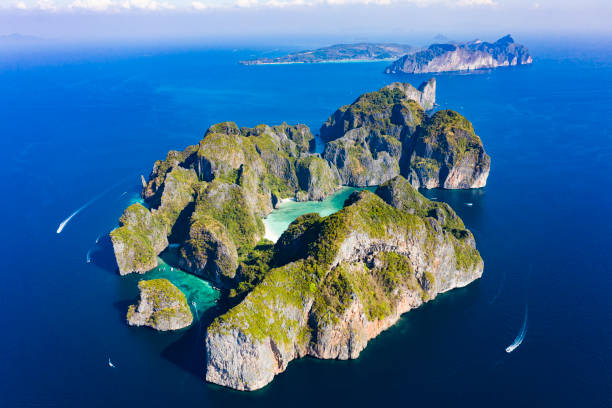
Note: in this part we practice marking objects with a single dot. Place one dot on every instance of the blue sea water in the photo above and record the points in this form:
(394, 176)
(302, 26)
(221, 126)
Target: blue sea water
(75, 124)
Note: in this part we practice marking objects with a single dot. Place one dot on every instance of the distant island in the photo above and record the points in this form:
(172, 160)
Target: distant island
(439, 57)
(462, 57)
(339, 53)
(329, 284)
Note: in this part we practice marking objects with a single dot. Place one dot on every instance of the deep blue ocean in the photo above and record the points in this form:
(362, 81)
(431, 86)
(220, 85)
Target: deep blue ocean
(79, 126)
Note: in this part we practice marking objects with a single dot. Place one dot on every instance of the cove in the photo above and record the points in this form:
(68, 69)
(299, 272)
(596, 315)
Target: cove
(279, 219)
(199, 292)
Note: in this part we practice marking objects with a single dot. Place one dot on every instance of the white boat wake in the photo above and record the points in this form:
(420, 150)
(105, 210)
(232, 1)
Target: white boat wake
(469, 204)
(519, 338)
(89, 256)
(195, 306)
(98, 239)
(84, 206)
(110, 363)
(499, 291)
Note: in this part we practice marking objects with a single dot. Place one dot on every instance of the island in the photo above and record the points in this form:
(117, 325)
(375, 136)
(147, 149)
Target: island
(329, 284)
(462, 56)
(339, 53)
(162, 306)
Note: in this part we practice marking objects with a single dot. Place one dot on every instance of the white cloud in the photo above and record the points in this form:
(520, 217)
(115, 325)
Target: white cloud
(94, 5)
(148, 5)
(46, 5)
(199, 5)
(476, 3)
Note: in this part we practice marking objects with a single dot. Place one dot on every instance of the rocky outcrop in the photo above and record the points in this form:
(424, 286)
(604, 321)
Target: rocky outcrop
(138, 240)
(329, 284)
(339, 281)
(460, 57)
(210, 198)
(425, 95)
(162, 306)
(317, 178)
(387, 110)
(387, 133)
(446, 152)
(222, 223)
(364, 157)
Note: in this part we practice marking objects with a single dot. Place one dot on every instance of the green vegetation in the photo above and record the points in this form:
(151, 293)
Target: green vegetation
(449, 131)
(227, 204)
(429, 166)
(166, 306)
(138, 240)
(253, 268)
(137, 244)
(375, 101)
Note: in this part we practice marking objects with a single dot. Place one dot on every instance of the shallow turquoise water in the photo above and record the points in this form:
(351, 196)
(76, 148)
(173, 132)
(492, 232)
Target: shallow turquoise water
(199, 293)
(279, 219)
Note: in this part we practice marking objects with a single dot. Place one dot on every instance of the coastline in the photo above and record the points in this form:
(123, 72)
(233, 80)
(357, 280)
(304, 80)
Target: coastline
(340, 61)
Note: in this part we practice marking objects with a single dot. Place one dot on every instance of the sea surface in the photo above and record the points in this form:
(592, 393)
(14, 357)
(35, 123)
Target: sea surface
(79, 126)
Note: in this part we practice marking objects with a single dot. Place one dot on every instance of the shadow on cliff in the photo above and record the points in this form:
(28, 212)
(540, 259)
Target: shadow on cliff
(188, 352)
(102, 254)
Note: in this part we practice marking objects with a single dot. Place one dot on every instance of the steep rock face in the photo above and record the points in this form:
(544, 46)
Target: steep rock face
(425, 95)
(138, 240)
(317, 178)
(364, 157)
(446, 153)
(387, 133)
(460, 57)
(254, 167)
(349, 276)
(221, 224)
(154, 186)
(209, 252)
(162, 306)
(386, 110)
(178, 190)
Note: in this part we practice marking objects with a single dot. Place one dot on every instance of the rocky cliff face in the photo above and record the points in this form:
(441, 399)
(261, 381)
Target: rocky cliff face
(387, 133)
(317, 178)
(210, 198)
(425, 95)
(162, 306)
(364, 157)
(339, 281)
(329, 284)
(386, 110)
(138, 240)
(446, 152)
(461, 57)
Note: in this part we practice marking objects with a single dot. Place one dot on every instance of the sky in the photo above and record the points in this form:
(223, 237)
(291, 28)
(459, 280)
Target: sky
(342, 20)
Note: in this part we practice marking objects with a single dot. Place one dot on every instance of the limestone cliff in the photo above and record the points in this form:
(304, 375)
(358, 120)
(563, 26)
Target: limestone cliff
(364, 157)
(162, 306)
(387, 110)
(317, 178)
(210, 198)
(329, 284)
(446, 152)
(386, 133)
(138, 240)
(460, 57)
(338, 281)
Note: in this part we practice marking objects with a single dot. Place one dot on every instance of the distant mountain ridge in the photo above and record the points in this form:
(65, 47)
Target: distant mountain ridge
(462, 57)
(340, 52)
